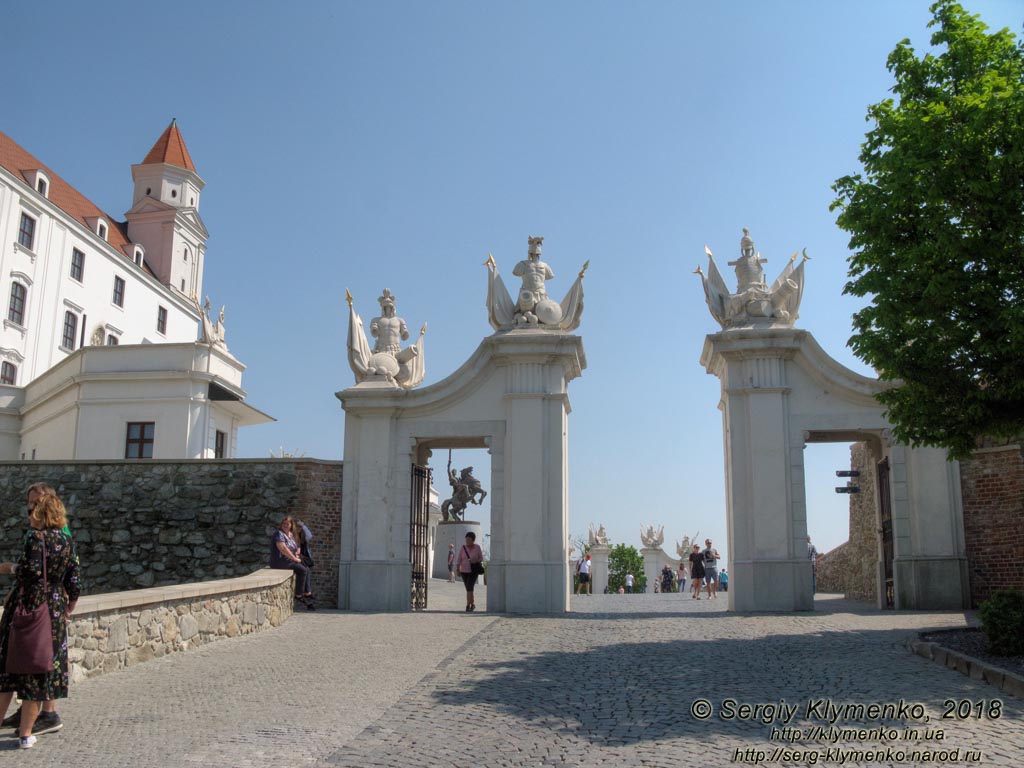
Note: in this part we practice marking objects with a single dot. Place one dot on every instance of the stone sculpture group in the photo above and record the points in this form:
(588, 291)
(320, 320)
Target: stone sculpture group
(388, 362)
(755, 302)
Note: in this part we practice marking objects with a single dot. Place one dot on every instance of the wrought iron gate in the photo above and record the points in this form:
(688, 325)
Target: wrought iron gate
(419, 535)
(885, 517)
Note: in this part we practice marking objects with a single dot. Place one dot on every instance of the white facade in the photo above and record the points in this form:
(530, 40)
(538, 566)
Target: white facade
(83, 298)
(82, 407)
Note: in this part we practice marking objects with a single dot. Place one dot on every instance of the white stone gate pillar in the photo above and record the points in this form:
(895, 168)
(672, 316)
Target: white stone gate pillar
(654, 561)
(766, 529)
(599, 567)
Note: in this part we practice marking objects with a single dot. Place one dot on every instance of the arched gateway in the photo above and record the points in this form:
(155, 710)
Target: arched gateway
(780, 391)
(510, 397)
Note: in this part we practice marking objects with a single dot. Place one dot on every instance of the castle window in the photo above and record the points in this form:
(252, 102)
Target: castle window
(118, 298)
(8, 373)
(112, 340)
(149, 190)
(161, 320)
(70, 331)
(27, 231)
(101, 229)
(42, 187)
(16, 307)
(174, 193)
(77, 264)
(220, 445)
(138, 256)
(139, 442)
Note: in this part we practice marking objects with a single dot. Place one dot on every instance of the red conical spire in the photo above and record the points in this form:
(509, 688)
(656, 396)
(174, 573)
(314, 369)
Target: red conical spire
(170, 148)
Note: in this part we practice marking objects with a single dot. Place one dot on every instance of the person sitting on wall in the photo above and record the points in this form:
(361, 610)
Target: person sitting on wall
(286, 554)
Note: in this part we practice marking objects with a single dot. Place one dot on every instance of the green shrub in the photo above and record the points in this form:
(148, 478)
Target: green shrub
(1002, 620)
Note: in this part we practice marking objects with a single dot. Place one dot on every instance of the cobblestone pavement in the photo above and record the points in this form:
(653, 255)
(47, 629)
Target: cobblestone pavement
(610, 685)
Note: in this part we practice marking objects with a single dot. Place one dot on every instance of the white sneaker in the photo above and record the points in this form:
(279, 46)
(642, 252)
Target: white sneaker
(27, 742)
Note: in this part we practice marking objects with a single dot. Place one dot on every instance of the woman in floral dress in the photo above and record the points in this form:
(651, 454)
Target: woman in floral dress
(47, 517)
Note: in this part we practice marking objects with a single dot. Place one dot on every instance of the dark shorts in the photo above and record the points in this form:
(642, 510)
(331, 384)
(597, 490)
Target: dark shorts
(469, 579)
(584, 578)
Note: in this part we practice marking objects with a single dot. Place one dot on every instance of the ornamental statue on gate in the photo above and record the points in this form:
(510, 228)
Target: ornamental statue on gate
(533, 309)
(652, 539)
(755, 303)
(388, 362)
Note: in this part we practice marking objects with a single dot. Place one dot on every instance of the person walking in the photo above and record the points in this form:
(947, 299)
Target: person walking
(48, 720)
(286, 554)
(681, 577)
(711, 569)
(451, 563)
(583, 571)
(470, 555)
(666, 579)
(812, 555)
(696, 571)
(723, 580)
(48, 574)
(629, 583)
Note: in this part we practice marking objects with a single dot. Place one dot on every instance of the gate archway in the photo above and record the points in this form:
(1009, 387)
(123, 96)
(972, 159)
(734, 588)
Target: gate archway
(781, 391)
(510, 397)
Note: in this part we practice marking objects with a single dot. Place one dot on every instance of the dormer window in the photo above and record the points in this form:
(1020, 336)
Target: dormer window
(101, 228)
(138, 256)
(39, 181)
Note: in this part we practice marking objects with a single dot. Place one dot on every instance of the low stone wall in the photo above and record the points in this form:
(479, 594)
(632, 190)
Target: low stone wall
(852, 567)
(139, 524)
(119, 629)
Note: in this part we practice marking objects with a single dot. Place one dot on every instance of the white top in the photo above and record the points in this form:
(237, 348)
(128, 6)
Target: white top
(629, 579)
(585, 566)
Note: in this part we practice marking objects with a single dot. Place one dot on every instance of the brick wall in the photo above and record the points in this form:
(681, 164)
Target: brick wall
(993, 495)
(156, 523)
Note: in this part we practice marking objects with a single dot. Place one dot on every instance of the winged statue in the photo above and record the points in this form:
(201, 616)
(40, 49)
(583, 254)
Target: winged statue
(388, 361)
(532, 308)
(755, 302)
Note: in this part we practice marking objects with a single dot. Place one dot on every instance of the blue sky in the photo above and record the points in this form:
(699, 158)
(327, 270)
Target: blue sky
(374, 144)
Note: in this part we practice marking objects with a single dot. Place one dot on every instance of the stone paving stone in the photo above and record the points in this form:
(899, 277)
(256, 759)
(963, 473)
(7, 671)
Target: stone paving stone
(613, 684)
(609, 685)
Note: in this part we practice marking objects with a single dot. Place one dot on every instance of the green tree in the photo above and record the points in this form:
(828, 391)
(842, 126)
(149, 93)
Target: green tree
(624, 559)
(936, 220)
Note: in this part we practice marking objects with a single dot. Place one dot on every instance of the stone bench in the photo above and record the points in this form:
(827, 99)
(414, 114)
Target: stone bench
(118, 629)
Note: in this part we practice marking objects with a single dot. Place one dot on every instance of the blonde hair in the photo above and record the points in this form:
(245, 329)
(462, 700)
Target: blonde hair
(48, 512)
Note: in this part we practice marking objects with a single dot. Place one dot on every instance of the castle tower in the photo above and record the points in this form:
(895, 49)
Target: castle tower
(164, 218)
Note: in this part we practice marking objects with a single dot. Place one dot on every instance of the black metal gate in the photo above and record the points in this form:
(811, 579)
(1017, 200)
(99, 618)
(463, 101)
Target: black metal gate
(419, 535)
(885, 517)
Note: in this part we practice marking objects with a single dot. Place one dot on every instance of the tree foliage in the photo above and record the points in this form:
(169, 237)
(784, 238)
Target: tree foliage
(625, 559)
(936, 220)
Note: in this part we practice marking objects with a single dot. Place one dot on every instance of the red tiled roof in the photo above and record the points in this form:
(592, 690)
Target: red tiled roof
(17, 160)
(170, 148)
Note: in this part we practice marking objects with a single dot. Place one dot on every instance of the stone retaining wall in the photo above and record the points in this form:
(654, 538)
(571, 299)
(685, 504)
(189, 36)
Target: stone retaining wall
(139, 524)
(119, 629)
(852, 567)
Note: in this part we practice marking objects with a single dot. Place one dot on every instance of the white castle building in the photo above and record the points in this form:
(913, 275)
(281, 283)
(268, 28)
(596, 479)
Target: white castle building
(98, 350)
